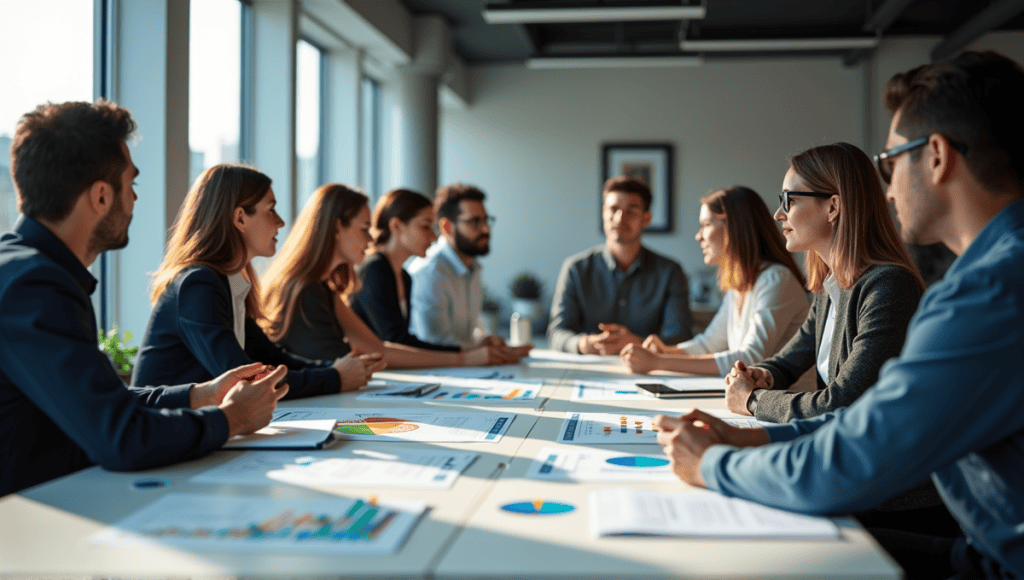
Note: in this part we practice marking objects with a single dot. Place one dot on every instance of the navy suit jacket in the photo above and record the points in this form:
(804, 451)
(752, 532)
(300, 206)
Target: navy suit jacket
(191, 338)
(377, 304)
(62, 406)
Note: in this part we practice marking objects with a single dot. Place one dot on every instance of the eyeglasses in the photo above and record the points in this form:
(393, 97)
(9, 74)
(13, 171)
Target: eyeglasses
(786, 194)
(478, 222)
(884, 160)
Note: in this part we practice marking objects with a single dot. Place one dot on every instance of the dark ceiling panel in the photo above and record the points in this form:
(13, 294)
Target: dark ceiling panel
(478, 42)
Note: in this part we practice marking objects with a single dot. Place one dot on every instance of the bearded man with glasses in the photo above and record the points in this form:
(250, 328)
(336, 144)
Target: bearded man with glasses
(447, 295)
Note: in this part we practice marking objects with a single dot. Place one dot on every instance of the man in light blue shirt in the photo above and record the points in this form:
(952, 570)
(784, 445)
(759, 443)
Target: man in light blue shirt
(446, 297)
(951, 404)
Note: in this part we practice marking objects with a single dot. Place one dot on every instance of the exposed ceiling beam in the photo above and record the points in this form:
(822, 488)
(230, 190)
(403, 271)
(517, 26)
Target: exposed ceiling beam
(877, 23)
(578, 62)
(994, 16)
(778, 44)
(886, 15)
(549, 12)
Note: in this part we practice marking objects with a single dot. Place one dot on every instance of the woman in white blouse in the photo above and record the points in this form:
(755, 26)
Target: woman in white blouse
(765, 302)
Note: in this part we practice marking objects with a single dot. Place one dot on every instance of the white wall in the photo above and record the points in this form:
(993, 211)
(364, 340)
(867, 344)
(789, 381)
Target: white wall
(532, 140)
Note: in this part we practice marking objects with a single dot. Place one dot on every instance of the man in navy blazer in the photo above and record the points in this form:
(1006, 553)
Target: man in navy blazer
(62, 405)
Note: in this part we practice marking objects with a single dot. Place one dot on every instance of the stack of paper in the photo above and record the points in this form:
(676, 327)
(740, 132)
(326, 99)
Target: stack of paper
(698, 514)
(299, 434)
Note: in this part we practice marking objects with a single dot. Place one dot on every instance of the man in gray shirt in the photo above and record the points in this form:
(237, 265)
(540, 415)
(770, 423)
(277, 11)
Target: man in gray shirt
(619, 292)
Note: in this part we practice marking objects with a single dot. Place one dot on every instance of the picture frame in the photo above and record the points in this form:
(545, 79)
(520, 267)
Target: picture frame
(650, 162)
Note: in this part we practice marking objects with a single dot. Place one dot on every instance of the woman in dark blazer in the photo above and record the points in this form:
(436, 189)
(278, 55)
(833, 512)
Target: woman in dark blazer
(866, 291)
(403, 226)
(205, 313)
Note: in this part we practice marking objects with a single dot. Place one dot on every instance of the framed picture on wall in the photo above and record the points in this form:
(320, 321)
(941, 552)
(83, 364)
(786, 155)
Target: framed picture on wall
(652, 164)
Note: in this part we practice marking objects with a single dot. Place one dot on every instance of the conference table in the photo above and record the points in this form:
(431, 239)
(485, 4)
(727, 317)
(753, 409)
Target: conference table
(464, 533)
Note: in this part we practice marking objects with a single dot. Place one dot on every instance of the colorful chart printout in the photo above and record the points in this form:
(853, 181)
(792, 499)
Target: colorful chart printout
(619, 428)
(420, 425)
(458, 390)
(259, 524)
(625, 389)
(376, 426)
(589, 464)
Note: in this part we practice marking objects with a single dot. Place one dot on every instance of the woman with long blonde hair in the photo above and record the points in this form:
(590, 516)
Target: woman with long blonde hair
(764, 302)
(307, 287)
(205, 293)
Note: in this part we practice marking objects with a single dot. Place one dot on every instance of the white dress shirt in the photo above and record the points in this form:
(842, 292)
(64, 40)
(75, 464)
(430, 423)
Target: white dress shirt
(447, 298)
(832, 287)
(239, 290)
(770, 315)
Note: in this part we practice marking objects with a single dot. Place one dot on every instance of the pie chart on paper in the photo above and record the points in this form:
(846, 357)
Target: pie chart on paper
(538, 507)
(376, 426)
(638, 461)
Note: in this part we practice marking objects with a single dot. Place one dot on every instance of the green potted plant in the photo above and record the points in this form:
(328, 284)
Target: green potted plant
(120, 354)
(526, 292)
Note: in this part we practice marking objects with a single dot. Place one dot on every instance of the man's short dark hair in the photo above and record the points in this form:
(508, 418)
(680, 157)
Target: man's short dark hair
(974, 101)
(625, 184)
(60, 150)
(446, 201)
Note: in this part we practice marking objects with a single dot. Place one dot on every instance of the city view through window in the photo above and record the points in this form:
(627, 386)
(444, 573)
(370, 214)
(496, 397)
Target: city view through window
(56, 66)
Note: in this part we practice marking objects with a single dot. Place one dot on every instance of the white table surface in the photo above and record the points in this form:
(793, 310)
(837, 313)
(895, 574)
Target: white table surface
(463, 535)
(526, 546)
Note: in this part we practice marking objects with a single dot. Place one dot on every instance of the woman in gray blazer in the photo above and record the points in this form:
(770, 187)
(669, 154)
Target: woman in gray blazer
(866, 291)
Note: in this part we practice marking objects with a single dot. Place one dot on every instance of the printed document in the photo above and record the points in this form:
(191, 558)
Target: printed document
(390, 468)
(698, 514)
(336, 525)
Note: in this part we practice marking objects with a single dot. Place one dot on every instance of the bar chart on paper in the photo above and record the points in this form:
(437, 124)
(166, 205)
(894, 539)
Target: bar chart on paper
(607, 428)
(619, 428)
(336, 525)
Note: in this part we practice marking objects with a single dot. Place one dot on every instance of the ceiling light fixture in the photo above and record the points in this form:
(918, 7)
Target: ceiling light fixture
(579, 62)
(779, 44)
(495, 13)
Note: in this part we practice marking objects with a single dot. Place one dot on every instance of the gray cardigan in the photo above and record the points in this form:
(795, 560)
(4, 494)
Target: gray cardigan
(871, 323)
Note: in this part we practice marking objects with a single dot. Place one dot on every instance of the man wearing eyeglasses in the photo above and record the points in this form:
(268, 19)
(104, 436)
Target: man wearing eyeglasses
(619, 292)
(951, 404)
(447, 296)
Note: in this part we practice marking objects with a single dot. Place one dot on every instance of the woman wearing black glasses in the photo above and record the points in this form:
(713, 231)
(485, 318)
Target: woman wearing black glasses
(867, 288)
(833, 208)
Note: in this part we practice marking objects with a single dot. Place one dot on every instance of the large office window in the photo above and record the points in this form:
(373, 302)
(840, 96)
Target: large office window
(215, 80)
(41, 62)
(370, 137)
(309, 72)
